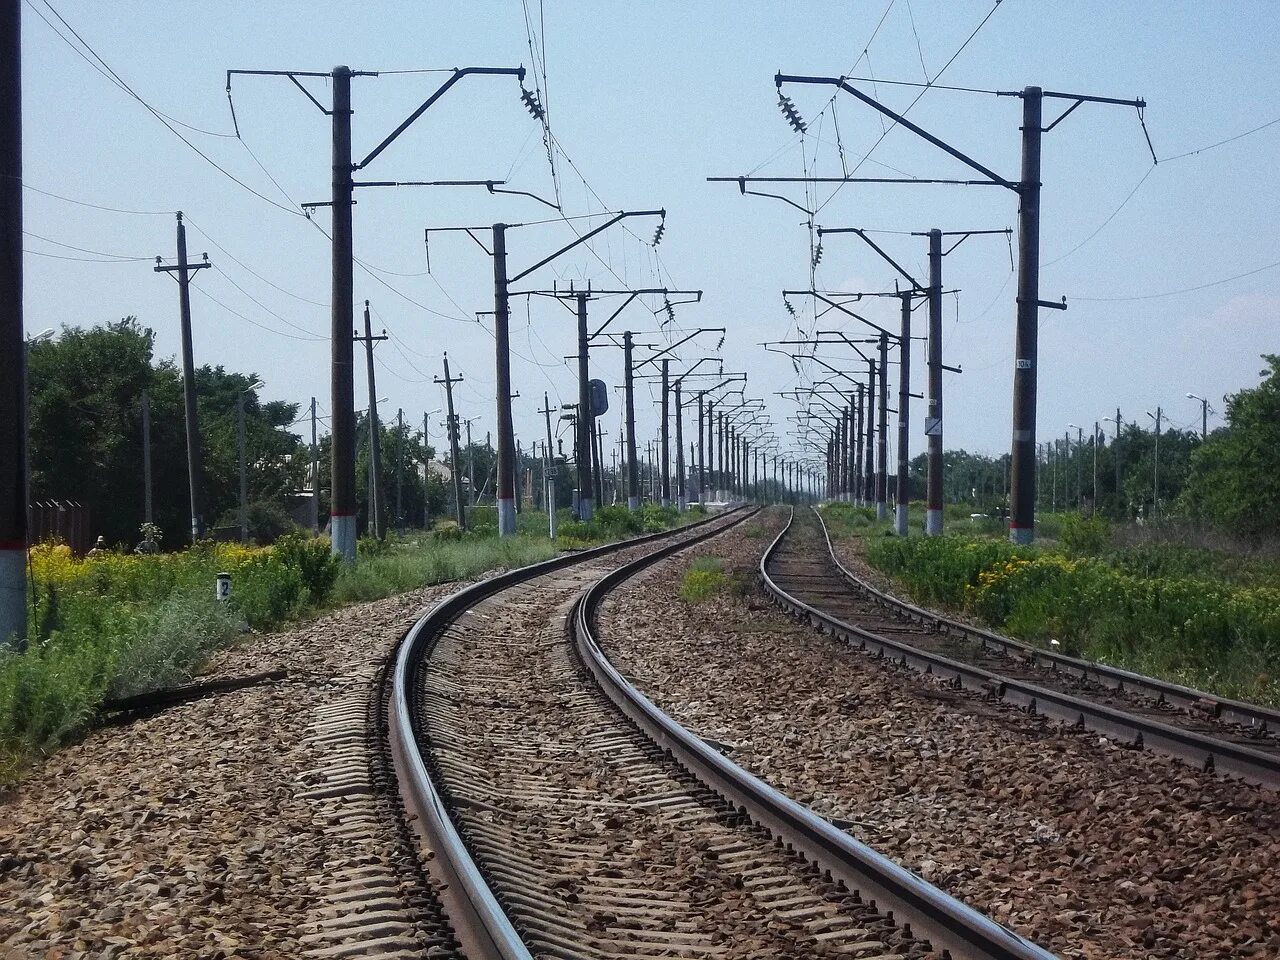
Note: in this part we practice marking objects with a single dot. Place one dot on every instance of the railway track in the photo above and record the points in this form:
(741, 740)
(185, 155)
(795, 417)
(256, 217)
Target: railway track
(801, 572)
(568, 817)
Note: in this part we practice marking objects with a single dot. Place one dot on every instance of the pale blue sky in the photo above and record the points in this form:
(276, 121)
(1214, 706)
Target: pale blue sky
(649, 99)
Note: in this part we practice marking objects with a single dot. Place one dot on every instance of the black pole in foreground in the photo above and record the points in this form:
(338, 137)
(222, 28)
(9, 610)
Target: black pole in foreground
(13, 421)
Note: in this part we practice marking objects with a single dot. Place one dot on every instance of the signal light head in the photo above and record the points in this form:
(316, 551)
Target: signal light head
(791, 113)
(532, 104)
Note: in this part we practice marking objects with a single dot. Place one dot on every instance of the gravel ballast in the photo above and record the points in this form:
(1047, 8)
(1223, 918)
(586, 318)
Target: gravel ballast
(1087, 847)
(189, 833)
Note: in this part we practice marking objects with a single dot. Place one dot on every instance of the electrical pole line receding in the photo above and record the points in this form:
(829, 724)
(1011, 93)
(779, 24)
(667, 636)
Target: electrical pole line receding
(195, 467)
(342, 510)
(1027, 187)
(502, 280)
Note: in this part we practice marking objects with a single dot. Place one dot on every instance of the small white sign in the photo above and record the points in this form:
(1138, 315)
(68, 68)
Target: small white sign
(1024, 364)
(933, 426)
(223, 590)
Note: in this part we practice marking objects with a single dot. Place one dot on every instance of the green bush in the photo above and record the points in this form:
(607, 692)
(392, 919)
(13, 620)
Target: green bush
(1085, 536)
(446, 531)
(313, 558)
(1206, 633)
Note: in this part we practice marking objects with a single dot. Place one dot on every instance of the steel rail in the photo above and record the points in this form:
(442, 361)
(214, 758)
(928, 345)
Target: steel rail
(1248, 715)
(914, 904)
(1208, 753)
(480, 923)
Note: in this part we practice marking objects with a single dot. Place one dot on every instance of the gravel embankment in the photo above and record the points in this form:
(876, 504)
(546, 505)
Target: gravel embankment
(1091, 849)
(189, 833)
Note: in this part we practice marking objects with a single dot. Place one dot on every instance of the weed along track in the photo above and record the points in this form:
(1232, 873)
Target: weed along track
(802, 574)
(568, 819)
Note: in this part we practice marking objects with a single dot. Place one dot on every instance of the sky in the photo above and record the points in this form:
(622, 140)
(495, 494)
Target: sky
(645, 101)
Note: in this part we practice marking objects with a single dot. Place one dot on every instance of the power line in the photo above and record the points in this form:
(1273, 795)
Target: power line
(250, 320)
(68, 246)
(1174, 293)
(945, 66)
(98, 206)
(244, 266)
(1220, 143)
(106, 71)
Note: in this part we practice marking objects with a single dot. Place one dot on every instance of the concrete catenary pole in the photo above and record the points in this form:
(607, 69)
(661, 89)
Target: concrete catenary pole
(342, 510)
(882, 434)
(502, 346)
(666, 440)
(586, 418)
(681, 501)
(1026, 342)
(315, 473)
(933, 422)
(629, 401)
(904, 418)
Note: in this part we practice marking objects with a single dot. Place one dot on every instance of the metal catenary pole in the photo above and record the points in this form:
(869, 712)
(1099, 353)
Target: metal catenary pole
(426, 473)
(399, 467)
(195, 468)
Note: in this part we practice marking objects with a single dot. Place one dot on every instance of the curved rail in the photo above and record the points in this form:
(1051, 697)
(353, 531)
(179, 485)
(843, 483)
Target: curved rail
(1209, 753)
(1248, 715)
(929, 912)
(480, 924)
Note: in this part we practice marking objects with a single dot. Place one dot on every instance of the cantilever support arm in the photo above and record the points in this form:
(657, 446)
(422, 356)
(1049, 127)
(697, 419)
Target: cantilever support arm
(919, 131)
(440, 92)
(617, 218)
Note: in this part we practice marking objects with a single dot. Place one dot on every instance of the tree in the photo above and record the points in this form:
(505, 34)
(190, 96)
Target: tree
(85, 424)
(1234, 479)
